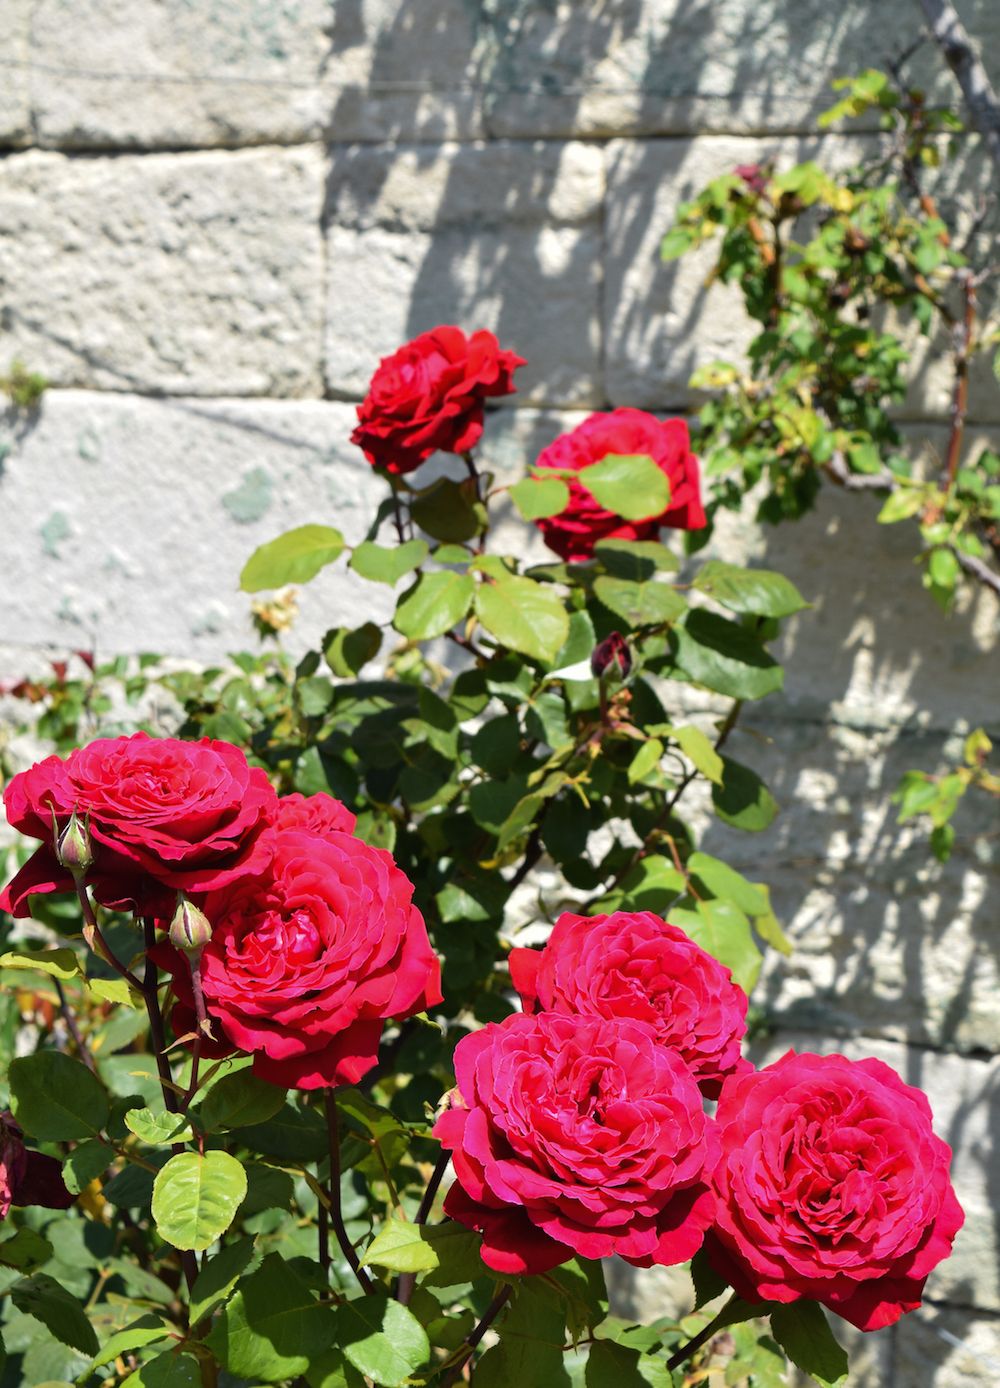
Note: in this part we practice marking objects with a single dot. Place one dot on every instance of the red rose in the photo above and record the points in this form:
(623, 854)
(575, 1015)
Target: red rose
(831, 1186)
(633, 964)
(318, 814)
(581, 1135)
(575, 531)
(163, 816)
(26, 1177)
(429, 395)
(308, 961)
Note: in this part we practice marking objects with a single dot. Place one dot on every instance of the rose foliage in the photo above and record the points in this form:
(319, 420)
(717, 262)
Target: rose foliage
(373, 1005)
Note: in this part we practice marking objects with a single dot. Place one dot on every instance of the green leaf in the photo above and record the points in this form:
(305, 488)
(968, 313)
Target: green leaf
(699, 752)
(521, 1363)
(295, 557)
(536, 499)
(158, 1129)
(168, 1370)
(238, 1101)
(25, 1250)
(347, 649)
(44, 1298)
(56, 1098)
(331, 1370)
(616, 1366)
(637, 559)
(900, 505)
(641, 604)
(449, 511)
(273, 1327)
(631, 485)
(58, 963)
(721, 928)
(381, 1338)
(647, 759)
(293, 1135)
(195, 1198)
(147, 1330)
(114, 990)
(725, 882)
(708, 1284)
(388, 565)
(84, 1164)
(726, 657)
(435, 603)
(758, 592)
(403, 1247)
(803, 1332)
(218, 1277)
(523, 616)
(743, 800)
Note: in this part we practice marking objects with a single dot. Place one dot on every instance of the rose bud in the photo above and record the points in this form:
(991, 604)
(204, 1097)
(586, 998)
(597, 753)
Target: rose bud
(73, 847)
(612, 659)
(190, 929)
(753, 176)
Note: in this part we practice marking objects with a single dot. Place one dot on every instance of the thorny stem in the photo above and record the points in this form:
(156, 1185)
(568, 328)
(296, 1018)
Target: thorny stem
(703, 1336)
(336, 1215)
(92, 933)
(473, 1339)
(203, 1027)
(74, 1031)
(404, 1288)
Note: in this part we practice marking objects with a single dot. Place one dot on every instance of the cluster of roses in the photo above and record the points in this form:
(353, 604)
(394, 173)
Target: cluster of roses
(429, 395)
(578, 1128)
(312, 941)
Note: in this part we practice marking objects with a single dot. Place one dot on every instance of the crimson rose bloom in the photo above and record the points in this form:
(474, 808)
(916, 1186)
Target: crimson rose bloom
(633, 964)
(164, 816)
(429, 395)
(580, 1135)
(576, 530)
(26, 1177)
(317, 814)
(308, 961)
(831, 1186)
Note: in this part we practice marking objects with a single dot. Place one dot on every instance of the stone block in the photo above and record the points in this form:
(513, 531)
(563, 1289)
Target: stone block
(129, 520)
(196, 273)
(15, 109)
(500, 236)
(666, 67)
(130, 75)
(663, 320)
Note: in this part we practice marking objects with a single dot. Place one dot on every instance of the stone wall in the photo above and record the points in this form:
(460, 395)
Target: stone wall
(215, 215)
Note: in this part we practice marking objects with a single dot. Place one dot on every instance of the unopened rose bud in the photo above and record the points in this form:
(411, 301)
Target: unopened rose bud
(612, 659)
(73, 848)
(753, 175)
(190, 929)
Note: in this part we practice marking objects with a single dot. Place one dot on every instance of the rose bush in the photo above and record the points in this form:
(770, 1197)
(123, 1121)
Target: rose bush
(309, 960)
(833, 1186)
(429, 395)
(162, 815)
(579, 1135)
(576, 529)
(633, 964)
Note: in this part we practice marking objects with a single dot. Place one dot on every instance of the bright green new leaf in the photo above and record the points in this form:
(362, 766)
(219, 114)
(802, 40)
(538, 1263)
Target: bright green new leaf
(56, 1098)
(803, 1332)
(196, 1197)
(381, 1338)
(630, 485)
(58, 963)
(295, 557)
(645, 760)
(900, 505)
(403, 1247)
(536, 499)
(158, 1129)
(721, 928)
(725, 882)
(383, 564)
(434, 604)
(523, 616)
(757, 592)
(699, 752)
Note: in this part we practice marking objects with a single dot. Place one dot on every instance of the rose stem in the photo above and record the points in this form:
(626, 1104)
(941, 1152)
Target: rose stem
(73, 1029)
(404, 1288)
(323, 1233)
(472, 1340)
(104, 949)
(194, 962)
(150, 984)
(712, 1329)
(336, 1216)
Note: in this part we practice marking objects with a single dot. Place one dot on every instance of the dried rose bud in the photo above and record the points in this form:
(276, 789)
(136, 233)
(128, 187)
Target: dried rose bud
(190, 929)
(73, 847)
(612, 659)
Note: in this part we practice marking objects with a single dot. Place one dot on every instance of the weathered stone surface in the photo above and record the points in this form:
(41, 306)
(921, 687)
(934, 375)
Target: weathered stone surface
(128, 520)
(15, 112)
(126, 74)
(672, 67)
(500, 236)
(169, 273)
(661, 321)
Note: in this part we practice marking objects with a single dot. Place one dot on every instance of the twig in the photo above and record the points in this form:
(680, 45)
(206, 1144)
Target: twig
(81, 1046)
(712, 1329)
(473, 1339)
(336, 1214)
(960, 394)
(953, 40)
(978, 569)
(404, 1288)
(92, 932)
